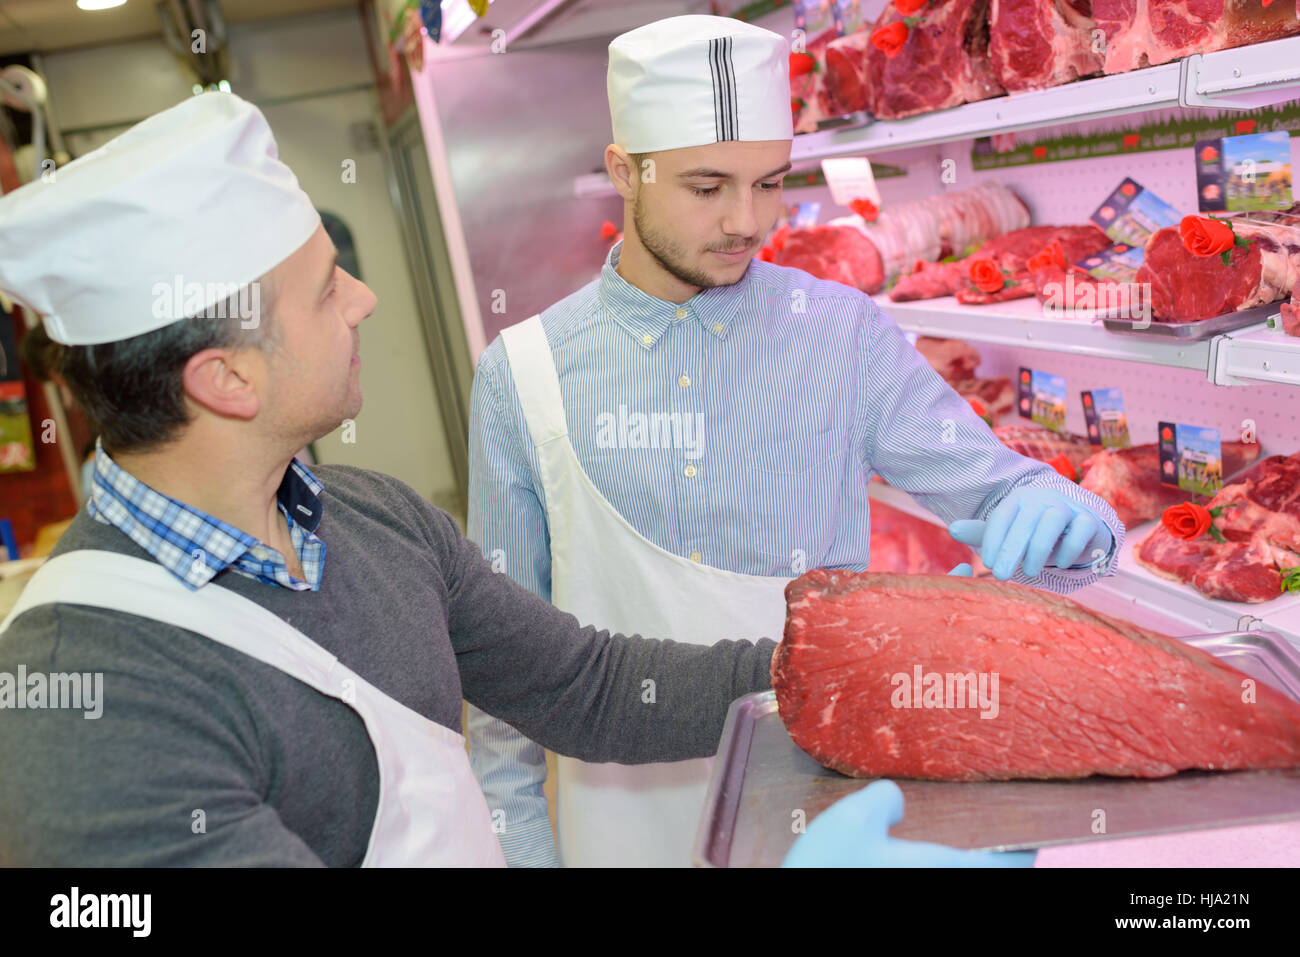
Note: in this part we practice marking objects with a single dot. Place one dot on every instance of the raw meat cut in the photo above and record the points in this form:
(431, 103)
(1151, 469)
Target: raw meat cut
(1072, 291)
(944, 61)
(1009, 251)
(1261, 525)
(928, 229)
(907, 544)
(968, 295)
(838, 253)
(996, 392)
(873, 677)
(1290, 311)
(810, 89)
(1037, 442)
(942, 225)
(1142, 33)
(1186, 287)
(953, 359)
(1129, 479)
(956, 362)
(1035, 44)
(928, 281)
(846, 71)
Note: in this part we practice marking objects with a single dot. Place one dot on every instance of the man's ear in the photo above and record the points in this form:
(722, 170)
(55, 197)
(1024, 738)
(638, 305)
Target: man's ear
(222, 381)
(621, 171)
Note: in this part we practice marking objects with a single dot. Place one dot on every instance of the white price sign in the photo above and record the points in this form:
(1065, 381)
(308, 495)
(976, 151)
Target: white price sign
(850, 178)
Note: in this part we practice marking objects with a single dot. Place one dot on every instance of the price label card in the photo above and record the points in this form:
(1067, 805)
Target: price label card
(1042, 398)
(1103, 411)
(850, 178)
(1238, 173)
(1191, 457)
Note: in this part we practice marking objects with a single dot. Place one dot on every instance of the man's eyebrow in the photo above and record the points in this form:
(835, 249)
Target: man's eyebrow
(706, 172)
(328, 276)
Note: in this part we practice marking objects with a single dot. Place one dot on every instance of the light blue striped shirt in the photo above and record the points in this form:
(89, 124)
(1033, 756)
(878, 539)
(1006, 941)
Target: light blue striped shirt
(801, 390)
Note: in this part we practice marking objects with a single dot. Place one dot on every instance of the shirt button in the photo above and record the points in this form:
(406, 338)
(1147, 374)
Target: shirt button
(681, 313)
(717, 327)
(690, 471)
(684, 382)
(695, 557)
(646, 340)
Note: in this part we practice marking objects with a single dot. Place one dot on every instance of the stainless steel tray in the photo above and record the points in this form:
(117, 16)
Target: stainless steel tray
(761, 780)
(1197, 329)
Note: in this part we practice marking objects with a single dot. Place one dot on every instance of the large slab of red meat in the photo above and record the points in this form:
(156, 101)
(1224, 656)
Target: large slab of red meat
(1185, 287)
(838, 253)
(1129, 479)
(1035, 44)
(906, 544)
(1142, 33)
(846, 70)
(944, 61)
(1261, 525)
(1010, 251)
(1077, 693)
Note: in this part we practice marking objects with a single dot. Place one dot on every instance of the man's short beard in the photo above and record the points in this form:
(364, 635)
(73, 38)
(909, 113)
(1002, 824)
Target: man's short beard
(668, 253)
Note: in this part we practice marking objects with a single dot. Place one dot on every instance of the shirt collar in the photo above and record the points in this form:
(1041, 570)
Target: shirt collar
(167, 528)
(646, 318)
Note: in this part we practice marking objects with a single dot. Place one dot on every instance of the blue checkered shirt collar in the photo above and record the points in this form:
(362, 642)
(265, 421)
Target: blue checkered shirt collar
(195, 546)
(646, 318)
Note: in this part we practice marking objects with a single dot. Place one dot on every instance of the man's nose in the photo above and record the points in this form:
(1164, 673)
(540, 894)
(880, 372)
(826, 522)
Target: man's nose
(740, 219)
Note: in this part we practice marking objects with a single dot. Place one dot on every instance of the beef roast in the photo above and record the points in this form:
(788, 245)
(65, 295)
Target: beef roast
(958, 679)
(838, 253)
(944, 62)
(1142, 33)
(1129, 479)
(1185, 287)
(1035, 44)
(846, 70)
(1260, 523)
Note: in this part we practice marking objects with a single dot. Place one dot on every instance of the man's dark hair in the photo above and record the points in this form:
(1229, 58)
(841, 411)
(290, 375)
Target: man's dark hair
(132, 390)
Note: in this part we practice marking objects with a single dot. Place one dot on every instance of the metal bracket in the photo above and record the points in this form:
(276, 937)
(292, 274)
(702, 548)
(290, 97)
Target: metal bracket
(1250, 623)
(1190, 83)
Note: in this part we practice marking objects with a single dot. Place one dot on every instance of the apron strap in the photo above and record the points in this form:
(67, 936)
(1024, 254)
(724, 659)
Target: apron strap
(105, 579)
(536, 380)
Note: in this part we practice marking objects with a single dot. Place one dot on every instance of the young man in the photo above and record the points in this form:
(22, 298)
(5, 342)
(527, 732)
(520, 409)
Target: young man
(188, 680)
(664, 449)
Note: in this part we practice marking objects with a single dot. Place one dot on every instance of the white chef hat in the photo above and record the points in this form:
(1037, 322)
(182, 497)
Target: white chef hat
(192, 195)
(692, 80)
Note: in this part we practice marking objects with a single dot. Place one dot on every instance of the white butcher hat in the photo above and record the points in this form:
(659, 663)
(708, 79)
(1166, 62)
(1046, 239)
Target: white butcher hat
(192, 195)
(692, 80)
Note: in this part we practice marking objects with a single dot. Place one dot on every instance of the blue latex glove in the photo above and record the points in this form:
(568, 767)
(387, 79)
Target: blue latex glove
(854, 832)
(1027, 525)
(963, 571)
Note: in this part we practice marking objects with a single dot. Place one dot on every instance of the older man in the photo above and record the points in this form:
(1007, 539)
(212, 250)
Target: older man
(262, 704)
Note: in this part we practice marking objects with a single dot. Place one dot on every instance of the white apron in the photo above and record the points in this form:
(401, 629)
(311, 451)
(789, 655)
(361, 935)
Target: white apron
(606, 574)
(431, 810)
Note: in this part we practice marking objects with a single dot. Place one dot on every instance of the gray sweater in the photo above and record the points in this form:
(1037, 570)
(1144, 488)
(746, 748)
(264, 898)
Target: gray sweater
(283, 774)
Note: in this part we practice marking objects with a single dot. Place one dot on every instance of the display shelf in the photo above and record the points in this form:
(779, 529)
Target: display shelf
(1244, 78)
(1253, 355)
(1021, 322)
(1135, 594)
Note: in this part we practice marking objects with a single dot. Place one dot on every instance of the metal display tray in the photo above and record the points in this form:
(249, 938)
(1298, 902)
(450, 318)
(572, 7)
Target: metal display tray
(762, 782)
(1197, 329)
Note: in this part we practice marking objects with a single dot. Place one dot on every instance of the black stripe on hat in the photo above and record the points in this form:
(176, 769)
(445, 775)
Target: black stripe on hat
(723, 73)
